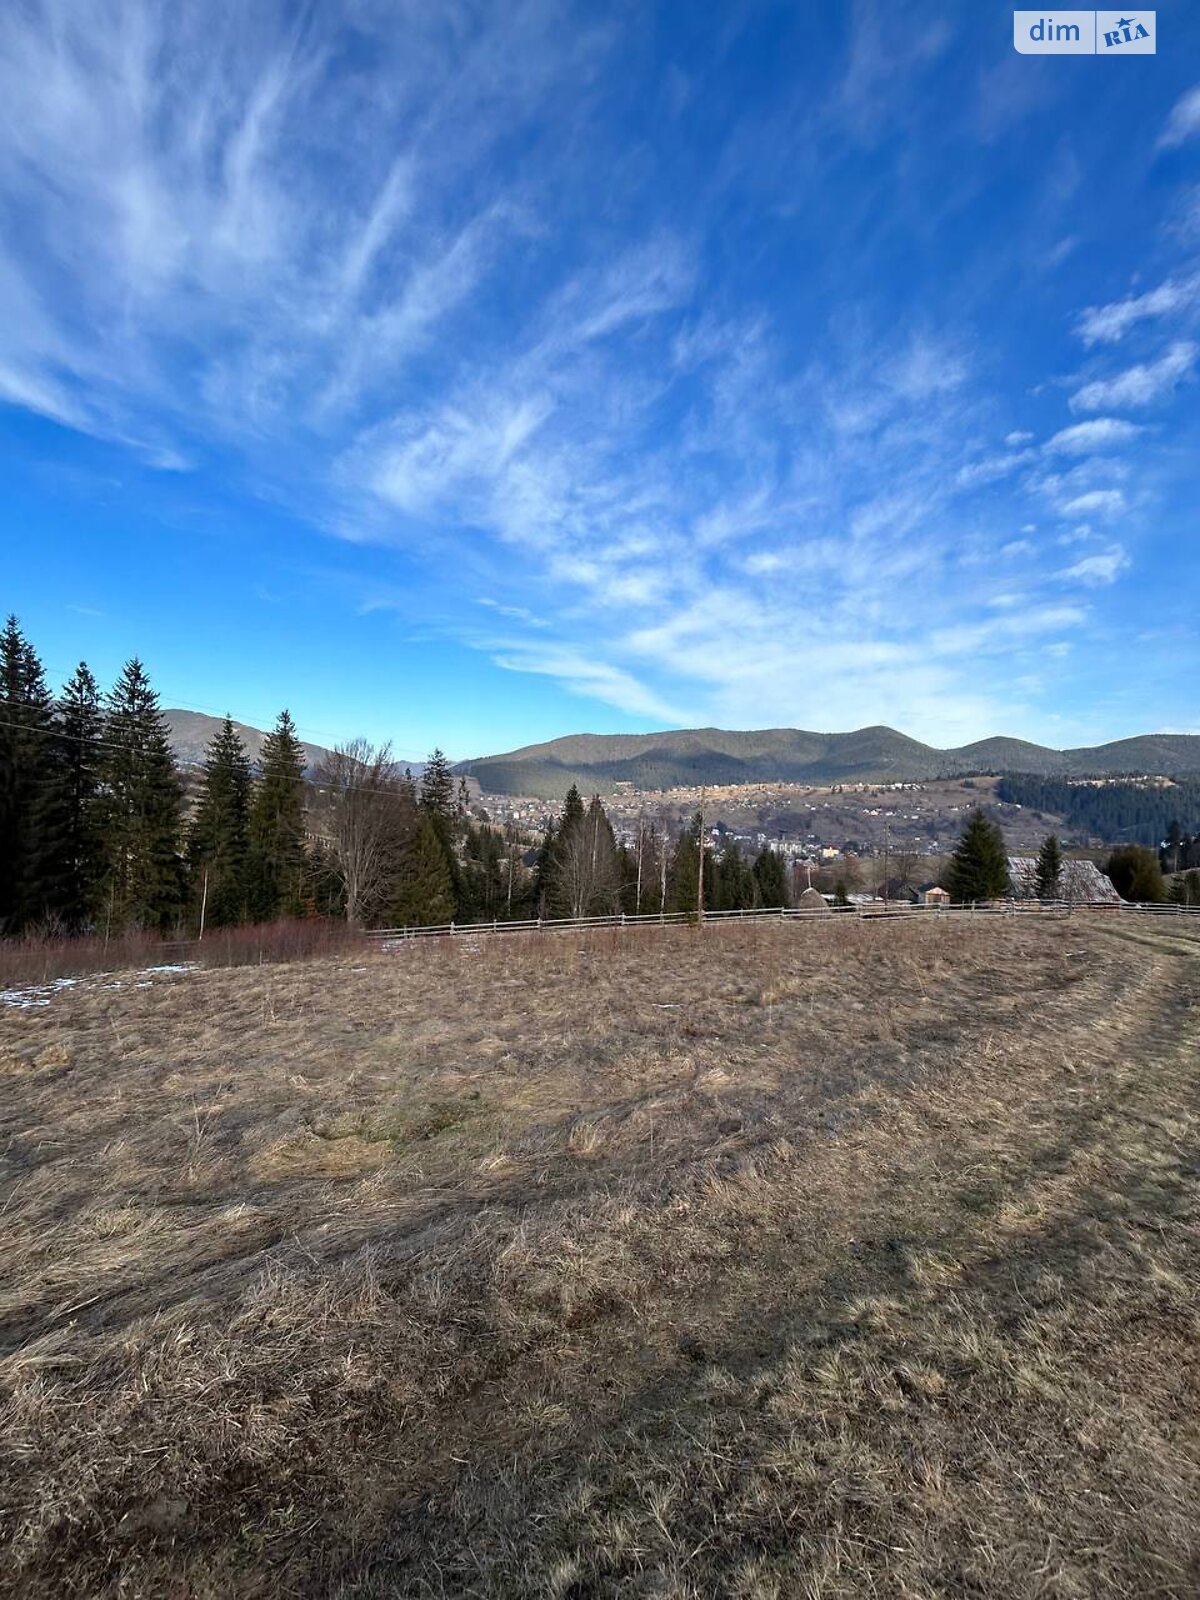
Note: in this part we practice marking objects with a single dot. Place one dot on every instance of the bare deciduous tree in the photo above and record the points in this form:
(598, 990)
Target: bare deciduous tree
(587, 873)
(367, 812)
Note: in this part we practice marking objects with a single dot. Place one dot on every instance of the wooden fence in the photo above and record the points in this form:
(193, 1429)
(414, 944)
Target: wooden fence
(895, 911)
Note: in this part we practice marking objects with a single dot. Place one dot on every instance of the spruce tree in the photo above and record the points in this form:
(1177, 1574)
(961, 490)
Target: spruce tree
(770, 877)
(1049, 869)
(79, 730)
(979, 866)
(27, 785)
(437, 788)
(483, 871)
(734, 880)
(140, 809)
(542, 889)
(438, 803)
(685, 870)
(572, 811)
(276, 856)
(219, 840)
(425, 896)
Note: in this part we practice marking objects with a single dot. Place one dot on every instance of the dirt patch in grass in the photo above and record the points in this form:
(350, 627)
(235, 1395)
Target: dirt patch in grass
(842, 1260)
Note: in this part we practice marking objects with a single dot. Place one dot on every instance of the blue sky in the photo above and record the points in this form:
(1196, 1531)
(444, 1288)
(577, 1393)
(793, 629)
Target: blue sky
(474, 374)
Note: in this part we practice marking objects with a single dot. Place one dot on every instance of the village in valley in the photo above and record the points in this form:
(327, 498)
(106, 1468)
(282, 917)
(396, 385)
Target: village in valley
(881, 841)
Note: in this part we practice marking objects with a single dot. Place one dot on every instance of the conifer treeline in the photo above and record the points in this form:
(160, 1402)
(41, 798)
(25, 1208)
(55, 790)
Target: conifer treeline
(99, 830)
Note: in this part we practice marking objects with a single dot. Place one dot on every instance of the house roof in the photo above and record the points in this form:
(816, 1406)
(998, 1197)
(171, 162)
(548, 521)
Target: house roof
(1081, 883)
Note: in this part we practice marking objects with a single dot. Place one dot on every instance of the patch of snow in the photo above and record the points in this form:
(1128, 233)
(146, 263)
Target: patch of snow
(41, 994)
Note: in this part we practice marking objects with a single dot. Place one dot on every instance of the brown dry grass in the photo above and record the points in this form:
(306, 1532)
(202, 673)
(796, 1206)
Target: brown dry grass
(846, 1260)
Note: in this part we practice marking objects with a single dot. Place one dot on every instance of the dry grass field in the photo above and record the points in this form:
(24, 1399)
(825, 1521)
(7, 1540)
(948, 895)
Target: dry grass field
(774, 1261)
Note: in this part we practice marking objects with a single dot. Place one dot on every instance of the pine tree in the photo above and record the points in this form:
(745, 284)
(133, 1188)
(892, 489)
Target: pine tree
(483, 872)
(734, 880)
(276, 856)
(425, 896)
(1136, 874)
(219, 840)
(437, 788)
(585, 879)
(1049, 868)
(572, 811)
(685, 870)
(770, 877)
(542, 888)
(79, 731)
(979, 866)
(438, 802)
(1173, 854)
(140, 809)
(27, 773)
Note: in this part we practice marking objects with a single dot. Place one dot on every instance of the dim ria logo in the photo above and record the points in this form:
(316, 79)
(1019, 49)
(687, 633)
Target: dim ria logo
(1084, 33)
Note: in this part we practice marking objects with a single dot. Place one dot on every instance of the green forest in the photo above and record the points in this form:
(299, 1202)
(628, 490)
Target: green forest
(1133, 811)
(102, 832)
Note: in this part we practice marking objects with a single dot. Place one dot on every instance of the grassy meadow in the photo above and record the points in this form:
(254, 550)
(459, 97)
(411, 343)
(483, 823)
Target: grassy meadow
(839, 1260)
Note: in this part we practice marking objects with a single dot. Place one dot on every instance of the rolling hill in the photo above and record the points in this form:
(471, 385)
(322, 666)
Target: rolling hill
(715, 756)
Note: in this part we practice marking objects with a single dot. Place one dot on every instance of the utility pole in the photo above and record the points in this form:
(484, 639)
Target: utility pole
(637, 902)
(700, 865)
(666, 834)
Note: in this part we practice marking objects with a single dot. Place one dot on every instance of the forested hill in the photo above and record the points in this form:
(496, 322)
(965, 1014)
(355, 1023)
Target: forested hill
(1126, 813)
(781, 755)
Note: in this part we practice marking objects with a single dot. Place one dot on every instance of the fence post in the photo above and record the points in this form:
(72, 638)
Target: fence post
(452, 930)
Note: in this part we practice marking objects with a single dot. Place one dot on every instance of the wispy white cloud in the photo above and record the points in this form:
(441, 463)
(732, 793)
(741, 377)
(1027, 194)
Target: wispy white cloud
(1139, 385)
(429, 312)
(1096, 503)
(593, 677)
(992, 468)
(1101, 433)
(1184, 121)
(1097, 570)
(1110, 323)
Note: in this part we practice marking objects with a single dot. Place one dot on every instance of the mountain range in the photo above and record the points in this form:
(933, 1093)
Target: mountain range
(712, 756)
(689, 757)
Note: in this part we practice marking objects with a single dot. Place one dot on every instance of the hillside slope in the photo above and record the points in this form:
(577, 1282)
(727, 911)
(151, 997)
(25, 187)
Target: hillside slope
(191, 732)
(722, 756)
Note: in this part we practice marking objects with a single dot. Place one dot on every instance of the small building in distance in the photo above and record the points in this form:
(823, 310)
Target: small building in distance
(1080, 883)
(932, 894)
